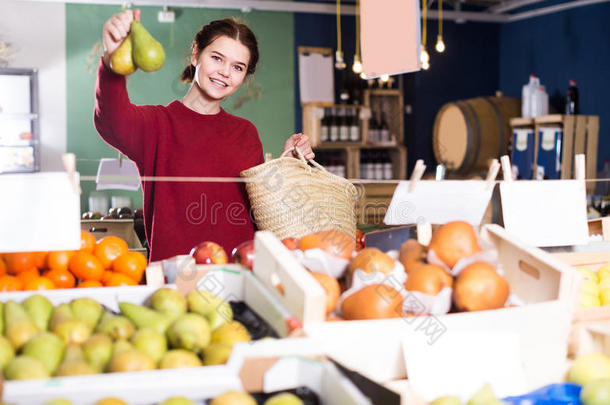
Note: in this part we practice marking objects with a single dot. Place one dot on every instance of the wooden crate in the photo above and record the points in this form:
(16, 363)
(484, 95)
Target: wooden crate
(374, 201)
(580, 136)
(398, 156)
(390, 101)
(313, 112)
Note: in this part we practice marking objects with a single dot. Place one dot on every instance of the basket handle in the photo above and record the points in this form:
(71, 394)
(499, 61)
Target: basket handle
(300, 155)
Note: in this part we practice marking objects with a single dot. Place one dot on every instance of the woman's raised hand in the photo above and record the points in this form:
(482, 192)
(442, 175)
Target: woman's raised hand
(115, 30)
(301, 141)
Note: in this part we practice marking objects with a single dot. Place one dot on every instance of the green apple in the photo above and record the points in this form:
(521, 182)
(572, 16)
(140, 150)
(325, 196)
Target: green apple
(588, 368)
(596, 392)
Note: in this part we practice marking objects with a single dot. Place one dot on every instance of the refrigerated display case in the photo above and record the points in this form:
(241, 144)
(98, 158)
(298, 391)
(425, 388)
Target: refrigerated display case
(19, 124)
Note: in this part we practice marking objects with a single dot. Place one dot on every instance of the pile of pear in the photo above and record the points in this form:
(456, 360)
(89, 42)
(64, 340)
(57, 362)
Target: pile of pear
(138, 50)
(39, 340)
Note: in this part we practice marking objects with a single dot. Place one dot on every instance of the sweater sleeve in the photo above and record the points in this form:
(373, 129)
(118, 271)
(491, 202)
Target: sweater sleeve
(129, 128)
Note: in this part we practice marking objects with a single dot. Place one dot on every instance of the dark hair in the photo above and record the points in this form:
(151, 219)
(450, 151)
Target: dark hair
(227, 27)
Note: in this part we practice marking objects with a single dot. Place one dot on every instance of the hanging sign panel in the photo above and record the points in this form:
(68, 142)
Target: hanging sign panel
(390, 36)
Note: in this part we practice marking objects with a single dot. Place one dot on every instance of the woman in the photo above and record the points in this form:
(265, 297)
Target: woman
(192, 137)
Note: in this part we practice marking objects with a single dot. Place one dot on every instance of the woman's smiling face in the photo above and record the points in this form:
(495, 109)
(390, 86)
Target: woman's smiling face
(222, 67)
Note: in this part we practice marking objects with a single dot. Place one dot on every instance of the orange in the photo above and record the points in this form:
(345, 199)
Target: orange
(40, 259)
(18, 262)
(61, 278)
(10, 283)
(39, 283)
(412, 255)
(331, 288)
(87, 242)
(334, 242)
(59, 259)
(109, 248)
(480, 287)
(131, 264)
(85, 266)
(106, 276)
(454, 241)
(117, 280)
(89, 284)
(429, 279)
(372, 302)
(28, 275)
(2, 267)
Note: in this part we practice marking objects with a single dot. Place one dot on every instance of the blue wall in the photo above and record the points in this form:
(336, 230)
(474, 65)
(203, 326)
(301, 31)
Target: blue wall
(572, 44)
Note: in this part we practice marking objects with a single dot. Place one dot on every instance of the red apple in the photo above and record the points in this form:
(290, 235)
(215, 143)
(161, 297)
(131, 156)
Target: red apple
(244, 254)
(291, 243)
(209, 253)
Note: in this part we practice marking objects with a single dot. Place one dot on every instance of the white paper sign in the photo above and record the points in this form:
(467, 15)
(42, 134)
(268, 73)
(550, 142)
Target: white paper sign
(438, 202)
(38, 212)
(316, 77)
(461, 362)
(546, 213)
(117, 174)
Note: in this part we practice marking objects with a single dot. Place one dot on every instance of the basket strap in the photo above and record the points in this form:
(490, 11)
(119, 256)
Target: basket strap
(302, 158)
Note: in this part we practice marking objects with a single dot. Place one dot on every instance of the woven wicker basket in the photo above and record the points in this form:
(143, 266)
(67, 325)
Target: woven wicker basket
(291, 198)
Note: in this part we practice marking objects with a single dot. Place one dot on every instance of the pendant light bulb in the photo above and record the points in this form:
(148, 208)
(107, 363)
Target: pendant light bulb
(363, 76)
(339, 62)
(424, 58)
(425, 65)
(357, 66)
(440, 45)
(385, 78)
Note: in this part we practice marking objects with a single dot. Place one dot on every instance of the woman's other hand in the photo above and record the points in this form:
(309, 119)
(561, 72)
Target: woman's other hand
(115, 31)
(302, 142)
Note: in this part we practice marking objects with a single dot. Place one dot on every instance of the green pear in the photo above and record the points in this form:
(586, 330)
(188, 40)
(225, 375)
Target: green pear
(19, 326)
(130, 360)
(169, 301)
(151, 342)
(177, 401)
(47, 348)
(58, 401)
(25, 368)
(61, 313)
(285, 398)
(205, 303)
(234, 398)
(121, 61)
(116, 326)
(485, 396)
(589, 367)
(231, 333)
(179, 358)
(144, 317)
(39, 308)
(87, 310)
(148, 53)
(596, 392)
(74, 367)
(447, 401)
(216, 353)
(7, 352)
(97, 351)
(190, 332)
(73, 352)
(72, 331)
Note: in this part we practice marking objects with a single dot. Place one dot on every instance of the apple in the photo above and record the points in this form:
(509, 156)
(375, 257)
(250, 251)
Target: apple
(596, 392)
(359, 240)
(589, 367)
(291, 243)
(244, 254)
(209, 252)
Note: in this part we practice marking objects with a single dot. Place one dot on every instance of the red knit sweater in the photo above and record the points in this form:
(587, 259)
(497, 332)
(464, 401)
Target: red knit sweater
(174, 140)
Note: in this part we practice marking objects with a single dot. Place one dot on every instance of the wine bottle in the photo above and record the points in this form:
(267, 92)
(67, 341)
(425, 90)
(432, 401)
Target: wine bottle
(384, 130)
(572, 98)
(334, 127)
(373, 129)
(324, 126)
(387, 166)
(354, 128)
(343, 126)
(378, 166)
(363, 160)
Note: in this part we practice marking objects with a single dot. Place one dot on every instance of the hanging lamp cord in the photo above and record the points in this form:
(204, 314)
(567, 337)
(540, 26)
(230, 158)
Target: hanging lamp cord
(358, 28)
(424, 17)
(339, 25)
(440, 18)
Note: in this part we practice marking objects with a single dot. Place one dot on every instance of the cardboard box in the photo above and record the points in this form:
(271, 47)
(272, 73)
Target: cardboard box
(374, 347)
(123, 228)
(144, 387)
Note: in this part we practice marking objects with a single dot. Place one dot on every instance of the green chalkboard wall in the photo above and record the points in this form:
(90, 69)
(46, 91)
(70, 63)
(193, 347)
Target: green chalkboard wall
(267, 99)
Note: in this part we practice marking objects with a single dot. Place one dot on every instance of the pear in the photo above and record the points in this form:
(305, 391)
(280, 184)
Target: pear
(285, 398)
(485, 396)
(47, 348)
(589, 367)
(205, 303)
(148, 54)
(116, 326)
(169, 301)
(130, 360)
(72, 331)
(19, 327)
(25, 368)
(7, 352)
(97, 351)
(87, 310)
(61, 313)
(234, 398)
(231, 333)
(179, 358)
(216, 353)
(190, 332)
(39, 308)
(58, 401)
(151, 342)
(447, 401)
(121, 345)
(74, 352)
(177, 401)
(144, 317)
(74, 367)
(121, 61)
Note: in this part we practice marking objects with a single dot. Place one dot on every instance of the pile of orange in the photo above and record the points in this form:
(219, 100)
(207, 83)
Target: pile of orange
(103, 263)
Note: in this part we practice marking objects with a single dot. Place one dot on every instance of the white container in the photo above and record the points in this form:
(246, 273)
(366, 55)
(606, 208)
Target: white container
(144, 387)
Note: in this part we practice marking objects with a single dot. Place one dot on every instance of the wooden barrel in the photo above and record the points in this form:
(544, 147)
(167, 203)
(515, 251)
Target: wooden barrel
(467, 133)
